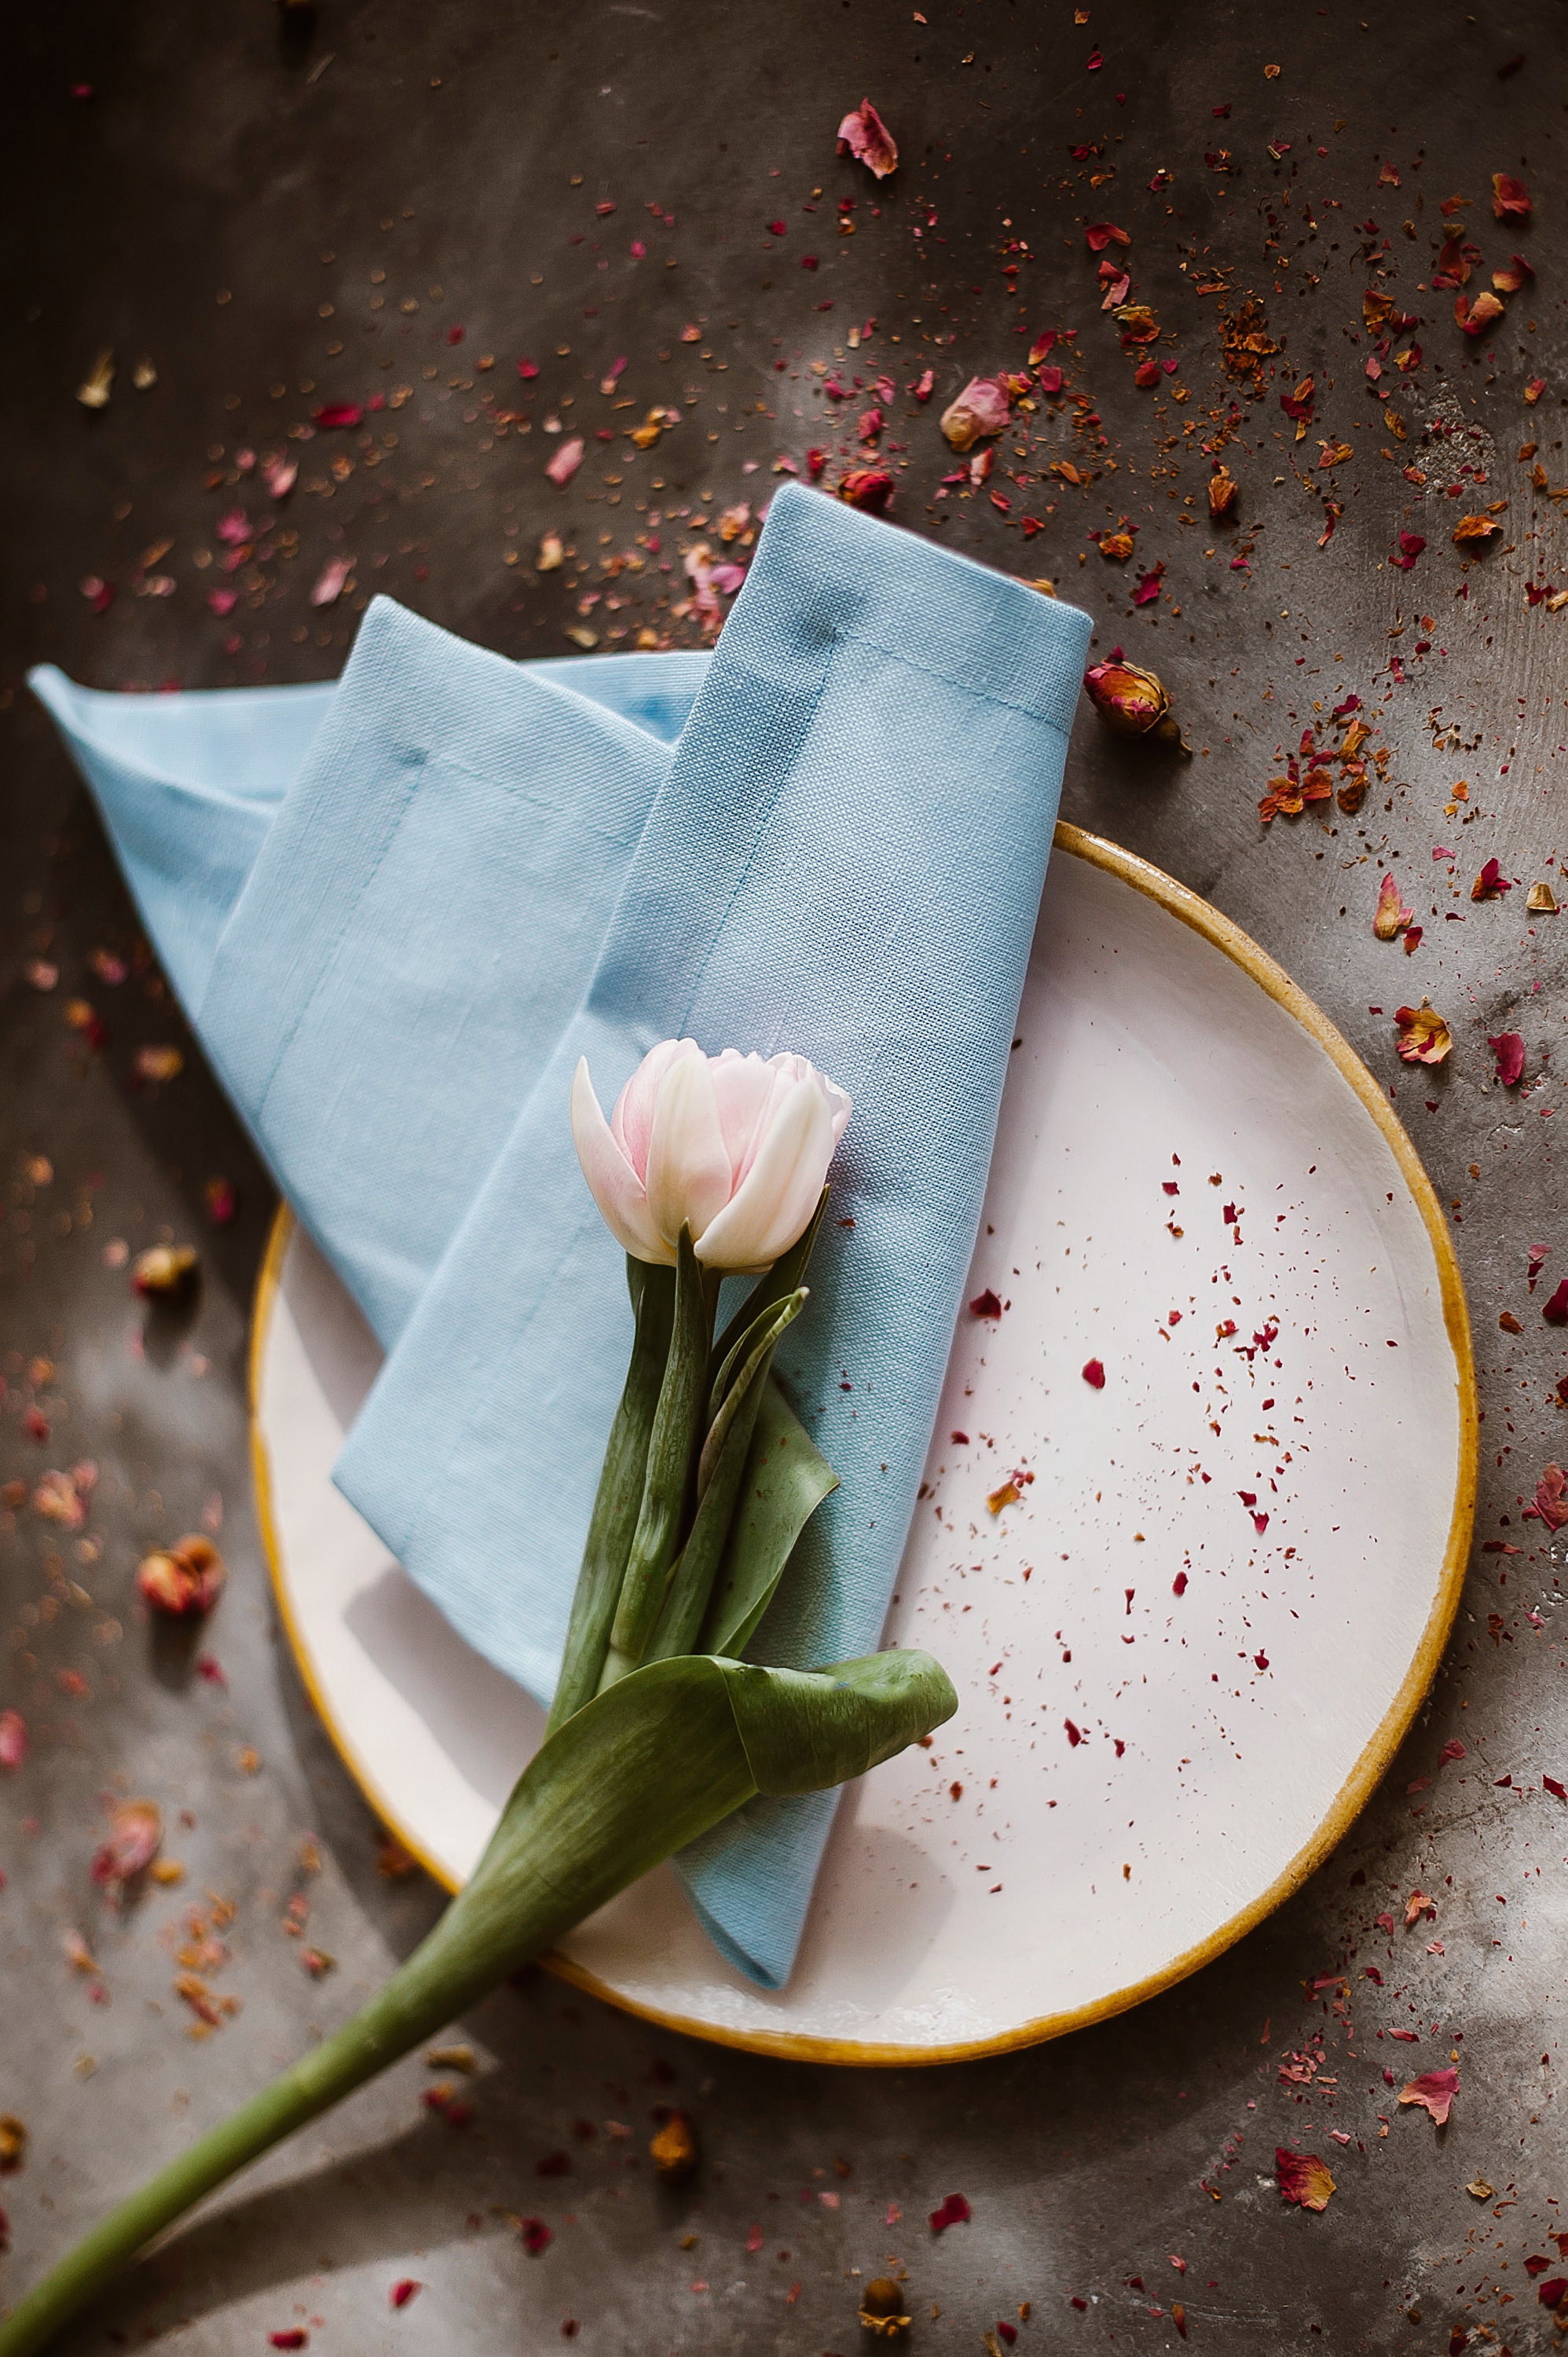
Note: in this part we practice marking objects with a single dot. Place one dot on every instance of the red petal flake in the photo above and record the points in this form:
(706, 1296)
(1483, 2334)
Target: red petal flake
(293, 2338)
(536, 2235)
(1451, 1749)
(866, 137)
(1392, 916)
(1302, 2177)
(1555, 1311)
(1421, 1036)
(1550, 1503)
(953, 2212)
(1559, 1791)
(13, 1738)
(401, 2292)
(1490, 884)
(1553, 2290)
(1510, 199)
(988, 1305)
(136, 1833)
(338, 413)
(1434, 2091)
(1094, 1374)
(1100, 234)
(1508, 1050)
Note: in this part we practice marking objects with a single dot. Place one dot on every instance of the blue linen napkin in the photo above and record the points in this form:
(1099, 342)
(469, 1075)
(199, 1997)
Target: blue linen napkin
(399, 911)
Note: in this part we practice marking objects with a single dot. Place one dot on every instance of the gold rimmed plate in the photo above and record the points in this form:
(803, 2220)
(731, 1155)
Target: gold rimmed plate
(1195, 1524)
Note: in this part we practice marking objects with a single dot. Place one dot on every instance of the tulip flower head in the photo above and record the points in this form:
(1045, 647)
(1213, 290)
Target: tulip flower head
(734, 1147)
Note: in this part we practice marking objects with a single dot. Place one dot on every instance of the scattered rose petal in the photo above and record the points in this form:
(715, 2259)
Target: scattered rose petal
(278, 475)
(1490, 884)
(1475, 314)
(1555, 1310)
(1392, 917)
(401, 2292)
(1510, 199)
(536, 2235)
(1302, 2177)
(292, 2339)
(1094, 1374)
(13, 1738)
(1421, 1034)
(1223, 490)
(985, 1305)
(159, 1063)
(1472, 529)
(1542, 900)
(338, 413)
(566, 461)
(673, 2151)
(1417, 1905)
(1434, 2091)
(954, 2210)
(865, 135)
(1100, 234)
(1551, 1501)
(333, 579)
(135, 1831)
(1508, 1047)
(981, 409)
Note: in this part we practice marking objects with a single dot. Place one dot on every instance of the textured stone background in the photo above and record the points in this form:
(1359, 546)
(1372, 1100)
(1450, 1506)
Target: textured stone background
(281, 213)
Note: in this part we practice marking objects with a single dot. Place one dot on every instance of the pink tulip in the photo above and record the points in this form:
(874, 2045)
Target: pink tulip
(734, 1146)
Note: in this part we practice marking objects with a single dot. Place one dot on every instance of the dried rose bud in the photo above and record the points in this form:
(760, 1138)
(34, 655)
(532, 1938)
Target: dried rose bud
(1223, 489)
(1133, 701)
(882, 2307)
(981, 409)
(870, 487)
(135, 1831)
(673, 2150)
(164, 1268)
(182, 1580)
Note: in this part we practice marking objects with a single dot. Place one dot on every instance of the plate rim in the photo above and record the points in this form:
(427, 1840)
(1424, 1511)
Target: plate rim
(1376, 1755)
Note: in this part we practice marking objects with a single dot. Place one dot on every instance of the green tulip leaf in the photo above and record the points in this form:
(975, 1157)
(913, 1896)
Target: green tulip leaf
(785, 1482)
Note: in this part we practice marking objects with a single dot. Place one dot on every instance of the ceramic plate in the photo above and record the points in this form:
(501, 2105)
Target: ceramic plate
(1194, 1521)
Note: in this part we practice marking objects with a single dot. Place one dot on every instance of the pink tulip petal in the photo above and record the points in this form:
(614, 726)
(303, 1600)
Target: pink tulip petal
(632, 1123)
(613, 1183)
(688, 1177)
(748, 1087)
(776, 1198)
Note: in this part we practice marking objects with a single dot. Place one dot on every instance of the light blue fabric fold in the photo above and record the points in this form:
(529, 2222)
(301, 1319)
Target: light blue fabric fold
(400, 908)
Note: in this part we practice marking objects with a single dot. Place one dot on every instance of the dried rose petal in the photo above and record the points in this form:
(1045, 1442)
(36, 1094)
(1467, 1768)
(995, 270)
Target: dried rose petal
(865, 135)
(986, 1305)
(12, 2143)
(1477, 315)
(1490, 884)
(401, 2292)
(536, 2235)
(1133, 701)
(954, 2210)
(1116, 547)
(59, 1499)
(1100, 234)
(338, 413)
(159, 1063)
(1541, 900)
(1302, 2177)
(1555, 1311)
(1510, 199)
(1421, 1034)
(1509, 281)
(1094, 1374)
(673, 2150)
(980, 410)
(1392, 917)
(1476, 531)
(1551, 1502)
(566, 461)
(182, 1580)
(1223, 490)
(135, 1831)
(1508, 1048)
(1434, 2091)
(331, 581)
(13, 1738)
(162, 1269)
(279, 476)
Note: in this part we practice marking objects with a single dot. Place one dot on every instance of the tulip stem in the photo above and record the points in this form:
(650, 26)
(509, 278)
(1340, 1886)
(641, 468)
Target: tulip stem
(671, 1479)
(619, 1498)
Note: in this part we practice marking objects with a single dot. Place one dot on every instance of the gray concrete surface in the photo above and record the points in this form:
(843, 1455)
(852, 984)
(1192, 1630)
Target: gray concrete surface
(265, 205)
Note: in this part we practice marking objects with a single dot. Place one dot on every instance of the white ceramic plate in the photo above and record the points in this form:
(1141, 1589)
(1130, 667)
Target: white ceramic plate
(1135, 1775)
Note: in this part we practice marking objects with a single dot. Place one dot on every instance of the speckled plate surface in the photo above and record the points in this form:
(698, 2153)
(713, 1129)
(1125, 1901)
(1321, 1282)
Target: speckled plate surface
(1213, 1589)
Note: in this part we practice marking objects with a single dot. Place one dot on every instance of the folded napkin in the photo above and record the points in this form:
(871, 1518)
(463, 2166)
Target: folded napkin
(401, 909)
